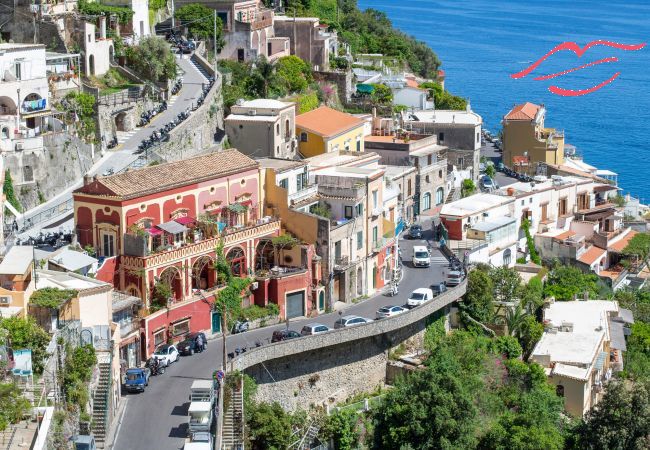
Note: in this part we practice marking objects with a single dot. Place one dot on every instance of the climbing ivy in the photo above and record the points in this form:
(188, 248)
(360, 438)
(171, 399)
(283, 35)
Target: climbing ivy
(8, 190)
(51, 297)
(123, 13)
(534, 256)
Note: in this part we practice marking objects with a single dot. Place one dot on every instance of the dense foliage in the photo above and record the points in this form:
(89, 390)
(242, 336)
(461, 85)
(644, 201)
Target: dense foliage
(51, 297)
(530, 244)
(565, 282)
(8, 191)
(82, 105)
(638, 247)
(467, 187)
(90, 8)
(153, 59)
(78, 370)
(25, 333)
(13, 406)
(200, 21)
(444, 99)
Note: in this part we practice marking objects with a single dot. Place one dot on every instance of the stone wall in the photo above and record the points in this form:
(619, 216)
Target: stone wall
(64, 155)
(332, 366)
(342, 80)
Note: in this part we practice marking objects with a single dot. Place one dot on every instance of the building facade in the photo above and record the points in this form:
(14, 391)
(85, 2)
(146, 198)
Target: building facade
(326, 130)
(526, 140)
(263, 128)
(308, 39)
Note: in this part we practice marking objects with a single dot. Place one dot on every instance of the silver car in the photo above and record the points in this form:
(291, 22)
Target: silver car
(390, 311)
(314, 328)
(351, 321)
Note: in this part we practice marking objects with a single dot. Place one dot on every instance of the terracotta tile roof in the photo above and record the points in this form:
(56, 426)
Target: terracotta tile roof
(526, 111)
(150, 180)
(441, 74)
(565, 235)
(327, 122)
(619, 245)
(592, 255)
(412, 83)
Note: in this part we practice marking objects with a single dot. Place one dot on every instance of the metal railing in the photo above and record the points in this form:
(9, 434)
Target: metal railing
(47, 214)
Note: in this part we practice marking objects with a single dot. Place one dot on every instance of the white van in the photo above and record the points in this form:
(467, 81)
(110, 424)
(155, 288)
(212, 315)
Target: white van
(421, 256)
(454, 278)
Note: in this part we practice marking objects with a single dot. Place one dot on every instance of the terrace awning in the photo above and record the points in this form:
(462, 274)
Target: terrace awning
(154, 231)
(172, 227)
(365, 88)
(185, 220)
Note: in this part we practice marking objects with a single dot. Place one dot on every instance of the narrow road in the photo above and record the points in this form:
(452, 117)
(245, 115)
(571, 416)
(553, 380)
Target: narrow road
(122, 156)
(157, 418)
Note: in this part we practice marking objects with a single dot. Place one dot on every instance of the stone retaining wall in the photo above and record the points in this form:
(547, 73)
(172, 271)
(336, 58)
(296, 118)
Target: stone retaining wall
(332, 366)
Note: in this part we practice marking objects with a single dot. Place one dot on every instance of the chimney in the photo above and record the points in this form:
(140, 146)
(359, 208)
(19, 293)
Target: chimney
(95, 177)
(87, 180)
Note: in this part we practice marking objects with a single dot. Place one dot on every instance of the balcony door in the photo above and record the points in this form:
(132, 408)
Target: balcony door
(108, 245)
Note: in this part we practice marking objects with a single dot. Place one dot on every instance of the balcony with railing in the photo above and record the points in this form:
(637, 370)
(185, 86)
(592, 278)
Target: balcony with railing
(306, 192)
(356, 192)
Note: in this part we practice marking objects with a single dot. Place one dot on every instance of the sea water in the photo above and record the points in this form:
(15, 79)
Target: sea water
(482, 42)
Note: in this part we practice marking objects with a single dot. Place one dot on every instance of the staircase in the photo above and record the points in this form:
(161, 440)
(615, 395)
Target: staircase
(101, 404)
(200, 69)
(233, 423)
(453, 195)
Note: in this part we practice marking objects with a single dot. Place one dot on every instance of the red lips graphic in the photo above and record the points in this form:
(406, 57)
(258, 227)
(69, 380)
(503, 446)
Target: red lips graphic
(579, 51)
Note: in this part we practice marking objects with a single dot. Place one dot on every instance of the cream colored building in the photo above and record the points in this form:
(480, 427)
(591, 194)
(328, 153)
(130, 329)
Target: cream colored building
(526, 140)
(582, 346)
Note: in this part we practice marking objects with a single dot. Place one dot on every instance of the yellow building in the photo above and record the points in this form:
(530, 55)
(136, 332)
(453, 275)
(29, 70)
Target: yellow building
(526, 142)
(326, 130)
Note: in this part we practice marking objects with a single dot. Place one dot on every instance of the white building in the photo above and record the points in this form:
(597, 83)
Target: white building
(99, 51)
(24, 96)
(294, 177)
(412, 97)
(139, 26)
(583, 344)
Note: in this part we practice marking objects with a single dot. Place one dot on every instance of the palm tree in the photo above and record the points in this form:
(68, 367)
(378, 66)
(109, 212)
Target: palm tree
(263, 73)
(513, 319)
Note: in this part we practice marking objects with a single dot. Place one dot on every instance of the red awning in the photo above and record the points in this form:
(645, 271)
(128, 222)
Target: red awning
(185, 220)
(154, 231)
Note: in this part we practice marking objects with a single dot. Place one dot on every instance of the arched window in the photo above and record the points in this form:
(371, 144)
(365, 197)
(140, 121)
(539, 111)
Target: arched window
(440, 196)
(507, 257)
(426, 201)
(559, 390)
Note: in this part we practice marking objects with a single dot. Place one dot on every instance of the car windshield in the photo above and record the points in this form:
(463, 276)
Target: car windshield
(416, 228)
(421, 255)
(161, 350)
(132, 376)
(417, 296)
(385, 309)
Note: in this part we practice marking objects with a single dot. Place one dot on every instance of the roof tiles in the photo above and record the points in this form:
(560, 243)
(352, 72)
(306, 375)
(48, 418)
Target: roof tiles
(526, 111)
(327, 122)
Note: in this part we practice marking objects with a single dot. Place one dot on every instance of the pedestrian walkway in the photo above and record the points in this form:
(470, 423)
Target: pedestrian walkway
(439, 261)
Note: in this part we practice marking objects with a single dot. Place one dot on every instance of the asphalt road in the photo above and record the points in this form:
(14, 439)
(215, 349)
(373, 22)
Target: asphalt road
(157, 418)
(492, 154)
(120, 157)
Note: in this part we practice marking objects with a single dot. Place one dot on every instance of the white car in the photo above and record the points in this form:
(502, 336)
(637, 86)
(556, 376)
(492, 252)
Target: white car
(420, 296)
(166, 354)
(351, 321)
(314, 328)
(390, 311)
(421, 256)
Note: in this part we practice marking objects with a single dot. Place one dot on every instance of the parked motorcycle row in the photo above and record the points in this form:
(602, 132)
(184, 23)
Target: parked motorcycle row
(162, 135)
(176, 88)
(112, 143)
(183, 45)
(48, 239)
(147, 116)
(239, 350)
(204, 92)
(520, 176)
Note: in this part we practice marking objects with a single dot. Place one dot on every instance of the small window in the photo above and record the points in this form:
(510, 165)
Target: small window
(348, 212)
(277, 129)
(440, 174)
(181, 328)
(89, 38)
(427, 179)
(559, 390)
(441, 137)
(359, 240)
(430, 160)
(358, 145)
(5, 133)
(303, 137)
(284, 183)
(478, 137)
(158, 338)
(359, 209)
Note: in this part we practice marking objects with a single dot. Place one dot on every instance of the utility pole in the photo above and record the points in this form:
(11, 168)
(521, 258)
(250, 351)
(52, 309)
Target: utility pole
(223, 334)
(214, 42)
(173, 20)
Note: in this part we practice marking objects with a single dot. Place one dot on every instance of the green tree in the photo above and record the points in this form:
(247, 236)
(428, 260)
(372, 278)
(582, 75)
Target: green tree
(382, 95)
(162, 292)
(199, 20)
(490, 171)
(13, 406)
(620, 421)
(293, 73)
(8, 191)
(530, 244)
(565, 282)
(81, 106)
(269, 427)
(514, 319)
(283, 242)
(52, 298)
(638, 247)
(262, 77)
(25, 333)
(530, 332)
(434, 335)
(341, 428)
(506, 282)
(507, 346)
(532, 295)
(153, 58)
(467, 187)
(478, 300)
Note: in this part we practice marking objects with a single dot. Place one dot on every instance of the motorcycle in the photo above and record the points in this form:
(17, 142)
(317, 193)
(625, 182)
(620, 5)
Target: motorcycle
(153, 364)
(240, 327)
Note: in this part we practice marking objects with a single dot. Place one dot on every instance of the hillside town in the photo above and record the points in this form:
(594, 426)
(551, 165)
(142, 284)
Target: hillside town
(247, 205)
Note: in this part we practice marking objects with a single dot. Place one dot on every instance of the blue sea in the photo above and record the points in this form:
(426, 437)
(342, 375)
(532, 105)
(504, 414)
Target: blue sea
(482, 42)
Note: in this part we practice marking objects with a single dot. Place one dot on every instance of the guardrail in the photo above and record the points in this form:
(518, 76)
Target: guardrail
(283, 349)
(47, 214)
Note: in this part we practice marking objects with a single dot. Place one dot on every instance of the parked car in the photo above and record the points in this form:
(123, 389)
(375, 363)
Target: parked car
(487, 183)
(415, 232)
(389, 311)
(421, 256)
(314, 328)
(137, 379)
(481, 167)
(351, 321)
(283, 335)
(166, 354)
(454, 277)
(200, 440)
(420, 296)
(189, 346)
(84, 442)
(439, 288)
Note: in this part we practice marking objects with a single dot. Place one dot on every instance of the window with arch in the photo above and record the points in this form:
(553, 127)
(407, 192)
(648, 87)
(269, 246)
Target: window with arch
(426, 201)
(287, 129)
(507, 257)
(440, 196)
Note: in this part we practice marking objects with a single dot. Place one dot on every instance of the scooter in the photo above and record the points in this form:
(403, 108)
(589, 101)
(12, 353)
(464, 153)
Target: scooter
(240, 327)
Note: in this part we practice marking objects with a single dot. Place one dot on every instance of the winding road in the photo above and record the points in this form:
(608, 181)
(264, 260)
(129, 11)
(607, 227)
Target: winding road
(157, 418)
(122, 156)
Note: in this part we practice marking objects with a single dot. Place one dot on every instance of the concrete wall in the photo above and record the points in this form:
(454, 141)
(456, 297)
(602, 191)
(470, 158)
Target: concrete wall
(342, 80)
(462, 136)
(313, 369)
